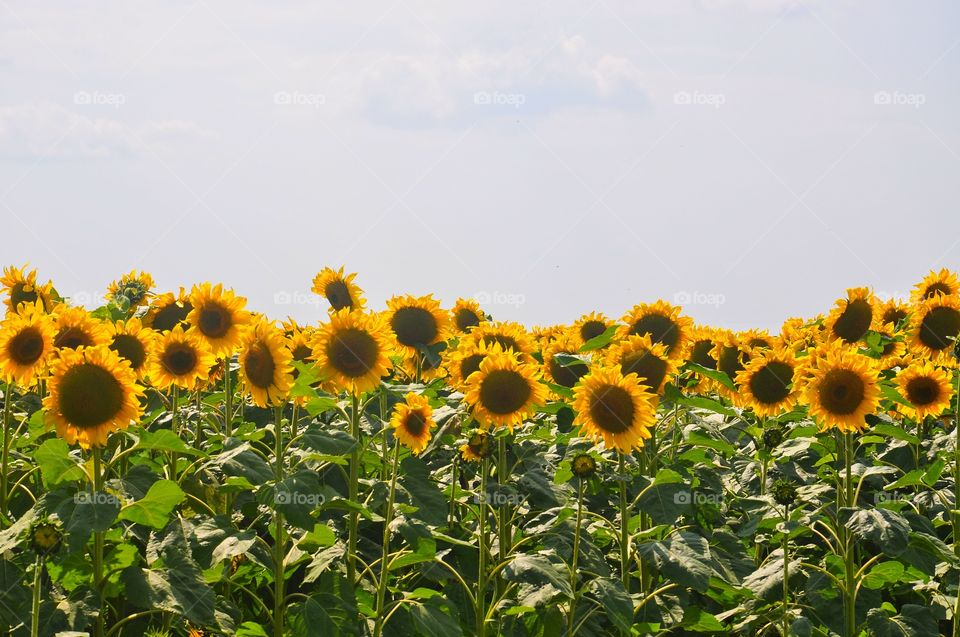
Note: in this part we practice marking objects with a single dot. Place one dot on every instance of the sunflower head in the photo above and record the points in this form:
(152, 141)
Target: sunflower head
(92, 392)
(180, 358)
(893, 315)
(928, 389)
(21, 287)
(649, 361)
(842, 388)
(943, 283)
(590, 326)
(784, 491)
(479, 446)
(566, 373)
(219, 316)
(798, 333)
(26, 344)
(662, 321)
(614, 408)
(412, 421)
(853, 316)
(466, 315)
(767, 383)
(731, 357)
(757, 340)
(133, 342)
(352, 351)
(584, 466)
(504, 391)
(416, 322)
(130, 290)
(339, 289)
(76, 328)
(936, 325)
(265, 364)
(167, 311)
(46, 535)
(509, 336)
(773, 434)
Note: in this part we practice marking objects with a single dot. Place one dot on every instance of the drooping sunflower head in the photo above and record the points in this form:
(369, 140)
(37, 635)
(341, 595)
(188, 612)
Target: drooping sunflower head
(133, 342)
(219, 316)
(841, 388)
(21, 286)
(339, 289)
(352, 351)
(167, 311)
(181, 358)
(509, 336)
(92, 392)
(416, 322)
(893, 316)
(26, 344)
(76, 328)
(566, 369)
(591, 326)
(943, 282)
(504, 391)
(767, 385)
(131, 290)
(641, 356)
(936, 325)
(265, 364)
(412, 421)
(928, 389)
(662, 321)
(853, 315)
(479, 446)
(614, 408)
(466, 315)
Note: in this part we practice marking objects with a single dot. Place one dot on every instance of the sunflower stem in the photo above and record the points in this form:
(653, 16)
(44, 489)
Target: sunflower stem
(175, 424)
(352, 489)
(786, 571)
(573, 561)
(624, 526)
(5, 458)
(850, 602)
(503, 510)
(228, 398)
(35, 606)
(385, 558)
(278, 548)
(98, 544)
(482, 542)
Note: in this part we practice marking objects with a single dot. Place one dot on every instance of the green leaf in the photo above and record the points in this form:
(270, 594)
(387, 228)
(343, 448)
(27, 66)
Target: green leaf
(330, 442)
(56, 464)
(700, 621)
(424, 492)
(601, 340)
(713, 374)
(166, 440)
(541, 581)
(895, 432)
(682, 560)
(431, 619)
(882, 574)
(890, 393)
(615, 600)
(154, 509)
(913, 621)
(887, 529)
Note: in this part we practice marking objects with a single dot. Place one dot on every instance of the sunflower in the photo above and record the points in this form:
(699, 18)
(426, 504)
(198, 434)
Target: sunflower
(853, 316)
(799, 334)
(662, 321)
(219, 316)
(842, 388)
(26, 343)
(133, 342)
(928, 389)
(731, 357)
(352, 351)
(21, 286)
(509, 336)
(339, 289)
(768, 384)
(614, 408)
(412, 421)
(479, 446)
(893, 315)
(753, 340)
(504, 391)
(893, 352)
(936, 325)
(180, 358)
(466, 359)
(92, 392)
(641, 356)
(416, 322)
(565, 375)
(943, 282)
(591, 326)
(76, 328)
(131, 289)
(265, 364)
(167, 311)
(466, 314)
(702, 342)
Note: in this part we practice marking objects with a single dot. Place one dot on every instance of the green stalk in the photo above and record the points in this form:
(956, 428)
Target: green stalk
(482, 536)
(352, 489)
(5, 459)
(98, 544)
(35, 607)
(956, 501)
(228, 398)
(278, 547)
(502, 511)
(850, 603)
(624, 527)
(573, 561)
(175, 423)
(786, 570)
(385, 558)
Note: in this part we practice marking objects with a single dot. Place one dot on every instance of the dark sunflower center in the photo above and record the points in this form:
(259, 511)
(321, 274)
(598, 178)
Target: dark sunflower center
(72, 338)
(700, 354)
(179, 359)
(352, 352)
(940, 327)
(338, 294)
(567, 375)
(130, 348)
(89, 396)
(169, 316)
(661, 329)
(649, 369)
(731, 361)
(592, 329)
(923, 390)
(841, 391)
(771, 383)
(894, 315)
(466, 319)
(506, 342)
(414, 326)
(612, 409)
(215, 321)
(504, 391)
(22, 293)
(260, 365)
(854, 322)
(26, 347)
(759, 342)
(470, 364)
(937, 288)
(415, 424)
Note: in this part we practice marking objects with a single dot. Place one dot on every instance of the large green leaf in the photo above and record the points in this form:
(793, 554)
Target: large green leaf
(154, 509)
(684, 559)
(56, 464)
(888, 530)
(912, 621)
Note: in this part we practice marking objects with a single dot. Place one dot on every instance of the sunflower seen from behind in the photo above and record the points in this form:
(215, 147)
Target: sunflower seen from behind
(841, 388)
(92, 392)
(219, 316)
(929, 389)
(504, 392)
(412, 421)
(614, 409)
(352, 351)
(20, 287)
(26, 344)
(339, 289)
(265, 364)
(416, 322)
(133, 342)
(182, 359)
(768, 384)
(663, 322)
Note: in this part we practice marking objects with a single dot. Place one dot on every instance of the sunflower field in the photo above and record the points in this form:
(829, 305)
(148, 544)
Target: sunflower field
(175, 464)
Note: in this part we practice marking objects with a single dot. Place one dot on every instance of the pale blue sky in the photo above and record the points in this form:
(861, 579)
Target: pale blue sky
(754, 157)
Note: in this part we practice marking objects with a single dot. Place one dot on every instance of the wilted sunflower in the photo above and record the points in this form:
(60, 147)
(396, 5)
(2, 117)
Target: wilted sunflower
(509, 336)
(466, 314)
(265, 364)
(943, 282)
(479, 446)
(641, 356)
(662, 321)
(133, 342)
(842, 388)
(180, 358)
(92, 392)
(76, 328)
(352, 351)
(853, 316)
(131, 290)
(416, 322)
(339, 289)
(936, 325)
(21, 286)
(768, 384)
(219, 316)
(167, 311)
(892, 315)
(412, 421)
(560, 374)
(591, 326)
(928, 389)
(26, 343)
(614, 408)
(504, 392)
